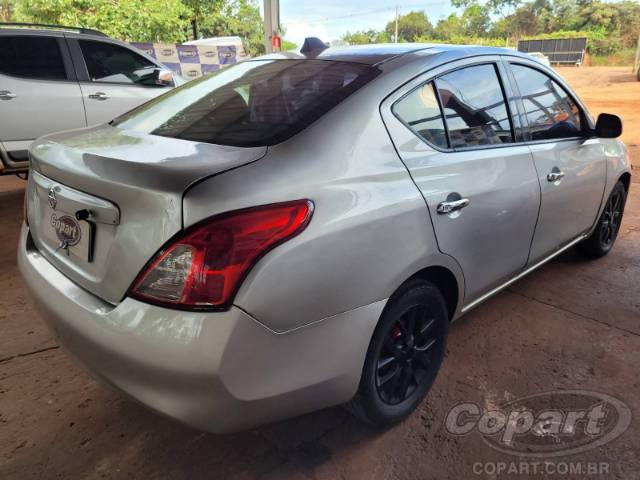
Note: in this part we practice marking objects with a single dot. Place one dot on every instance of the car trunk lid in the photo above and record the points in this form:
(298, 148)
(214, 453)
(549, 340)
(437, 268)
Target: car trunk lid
(128, 185)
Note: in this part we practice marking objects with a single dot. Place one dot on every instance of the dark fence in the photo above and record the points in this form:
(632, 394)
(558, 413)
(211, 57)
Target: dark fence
(559, 50)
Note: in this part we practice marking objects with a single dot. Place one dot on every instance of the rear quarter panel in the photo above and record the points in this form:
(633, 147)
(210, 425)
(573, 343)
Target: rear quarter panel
(370, 230)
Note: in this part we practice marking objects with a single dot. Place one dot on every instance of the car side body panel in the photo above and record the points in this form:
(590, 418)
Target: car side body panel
(569, 205)
(491, 237)
(370, 230)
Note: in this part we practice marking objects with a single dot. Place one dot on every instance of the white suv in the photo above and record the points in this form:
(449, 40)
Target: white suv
(57, 78)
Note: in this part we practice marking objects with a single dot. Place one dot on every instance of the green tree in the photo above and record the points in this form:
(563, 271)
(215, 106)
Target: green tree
(449, 27)
(410, 26)
(364, 37)
(287, 45)
(476, 20)
(236, 17)
(201, 9)
(130, 20)
(6, 10)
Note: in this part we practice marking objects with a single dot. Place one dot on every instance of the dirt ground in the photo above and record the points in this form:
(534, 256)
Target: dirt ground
(610, 90)
(570, 325)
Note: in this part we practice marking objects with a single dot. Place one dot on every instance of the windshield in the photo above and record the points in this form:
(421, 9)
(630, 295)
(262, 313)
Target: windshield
(255, 103)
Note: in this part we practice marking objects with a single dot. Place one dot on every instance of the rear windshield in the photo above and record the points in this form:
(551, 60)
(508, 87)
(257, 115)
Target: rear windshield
(253, 103)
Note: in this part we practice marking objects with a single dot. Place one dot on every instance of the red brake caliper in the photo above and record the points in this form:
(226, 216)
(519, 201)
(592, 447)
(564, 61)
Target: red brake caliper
(396, 332)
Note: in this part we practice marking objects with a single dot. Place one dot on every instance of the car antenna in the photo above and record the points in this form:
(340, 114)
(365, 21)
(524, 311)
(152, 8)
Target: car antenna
(313, 45)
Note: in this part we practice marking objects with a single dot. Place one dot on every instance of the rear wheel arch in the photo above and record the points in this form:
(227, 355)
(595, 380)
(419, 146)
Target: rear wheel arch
(625, 178)
(445, 281)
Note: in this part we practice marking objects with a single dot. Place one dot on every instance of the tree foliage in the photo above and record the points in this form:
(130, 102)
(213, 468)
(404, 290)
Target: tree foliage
(410, 26)
(132, 20)
(609, 26)
(236, 17)
(147, 20)
(6, 10)
(364, 37)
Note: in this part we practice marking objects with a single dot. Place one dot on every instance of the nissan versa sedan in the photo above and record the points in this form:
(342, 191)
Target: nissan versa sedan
(298, 230)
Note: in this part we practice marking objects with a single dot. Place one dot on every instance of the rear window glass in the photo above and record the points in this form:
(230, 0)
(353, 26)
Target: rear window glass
(420, 111)
(474, 107)
(31, 57)
(253, 103)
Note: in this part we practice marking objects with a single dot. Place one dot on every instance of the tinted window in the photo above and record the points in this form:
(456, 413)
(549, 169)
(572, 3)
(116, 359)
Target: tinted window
(420, 111)
(474, 107)
(111, 63)
(252, 103)
(549, 109)
(32, 57)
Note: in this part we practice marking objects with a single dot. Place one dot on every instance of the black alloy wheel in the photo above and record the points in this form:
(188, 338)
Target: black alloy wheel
(405, 359)
(404, 355)
(601, 240)
(611, 219)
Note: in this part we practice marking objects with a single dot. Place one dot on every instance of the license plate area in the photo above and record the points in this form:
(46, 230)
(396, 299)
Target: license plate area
(71, 237)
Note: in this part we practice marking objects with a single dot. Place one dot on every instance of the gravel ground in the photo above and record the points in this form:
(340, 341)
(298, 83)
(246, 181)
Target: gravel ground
(570, 325)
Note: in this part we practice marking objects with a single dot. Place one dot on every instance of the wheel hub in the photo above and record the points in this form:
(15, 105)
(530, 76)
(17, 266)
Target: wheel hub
(405, 357)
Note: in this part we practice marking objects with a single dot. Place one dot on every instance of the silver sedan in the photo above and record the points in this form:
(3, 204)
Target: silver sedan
(298, 231)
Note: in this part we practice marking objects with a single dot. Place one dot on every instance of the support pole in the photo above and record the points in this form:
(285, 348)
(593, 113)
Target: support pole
(271, 22)
(395, 38)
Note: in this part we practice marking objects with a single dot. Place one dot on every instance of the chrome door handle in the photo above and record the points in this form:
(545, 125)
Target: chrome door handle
(451, 206)
(554, 176)
(7, 95)
(98, 96)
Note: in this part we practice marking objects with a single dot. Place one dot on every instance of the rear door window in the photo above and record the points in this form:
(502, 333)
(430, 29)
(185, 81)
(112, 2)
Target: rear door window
(474, 107)
(420, 111)
(109, 63)
(254, 103)
(550, 111)
(31, 57)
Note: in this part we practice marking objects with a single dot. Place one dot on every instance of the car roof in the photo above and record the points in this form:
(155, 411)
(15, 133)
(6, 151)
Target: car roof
(45, 29)
(375, 54)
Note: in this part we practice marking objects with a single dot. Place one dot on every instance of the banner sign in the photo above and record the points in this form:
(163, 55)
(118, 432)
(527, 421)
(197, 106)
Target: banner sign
(193, 61)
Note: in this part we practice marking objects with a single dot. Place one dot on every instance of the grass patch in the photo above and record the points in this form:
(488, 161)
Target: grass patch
(623, 58)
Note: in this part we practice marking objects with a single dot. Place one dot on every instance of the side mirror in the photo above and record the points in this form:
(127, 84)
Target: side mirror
(163, 78)
(608, 126)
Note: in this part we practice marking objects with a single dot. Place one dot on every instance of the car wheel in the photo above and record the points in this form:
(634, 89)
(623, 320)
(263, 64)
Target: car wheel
(601, 240)
(404, 355)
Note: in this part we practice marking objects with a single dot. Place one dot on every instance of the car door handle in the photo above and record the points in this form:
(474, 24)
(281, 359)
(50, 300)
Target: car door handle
(98, 96)
(555, 175)
(7, 95)
(451, 206)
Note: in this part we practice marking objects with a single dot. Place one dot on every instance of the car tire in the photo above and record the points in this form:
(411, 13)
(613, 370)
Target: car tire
(601, 240)
(404, 355)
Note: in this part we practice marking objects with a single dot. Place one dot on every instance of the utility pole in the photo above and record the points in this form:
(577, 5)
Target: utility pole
(271, 23)
(395, 37)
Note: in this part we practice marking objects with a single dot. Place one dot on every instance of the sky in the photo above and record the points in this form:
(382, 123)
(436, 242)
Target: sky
(330, 19)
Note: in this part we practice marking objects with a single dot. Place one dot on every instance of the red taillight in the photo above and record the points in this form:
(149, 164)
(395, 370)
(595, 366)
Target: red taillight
(203, 268)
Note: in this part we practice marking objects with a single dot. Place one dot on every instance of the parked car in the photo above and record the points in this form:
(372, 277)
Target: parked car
(541, 57)
(58, 78)
(298, 230)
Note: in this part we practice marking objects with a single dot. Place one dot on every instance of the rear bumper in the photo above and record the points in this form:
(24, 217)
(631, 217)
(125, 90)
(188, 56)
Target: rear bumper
(220, 371)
